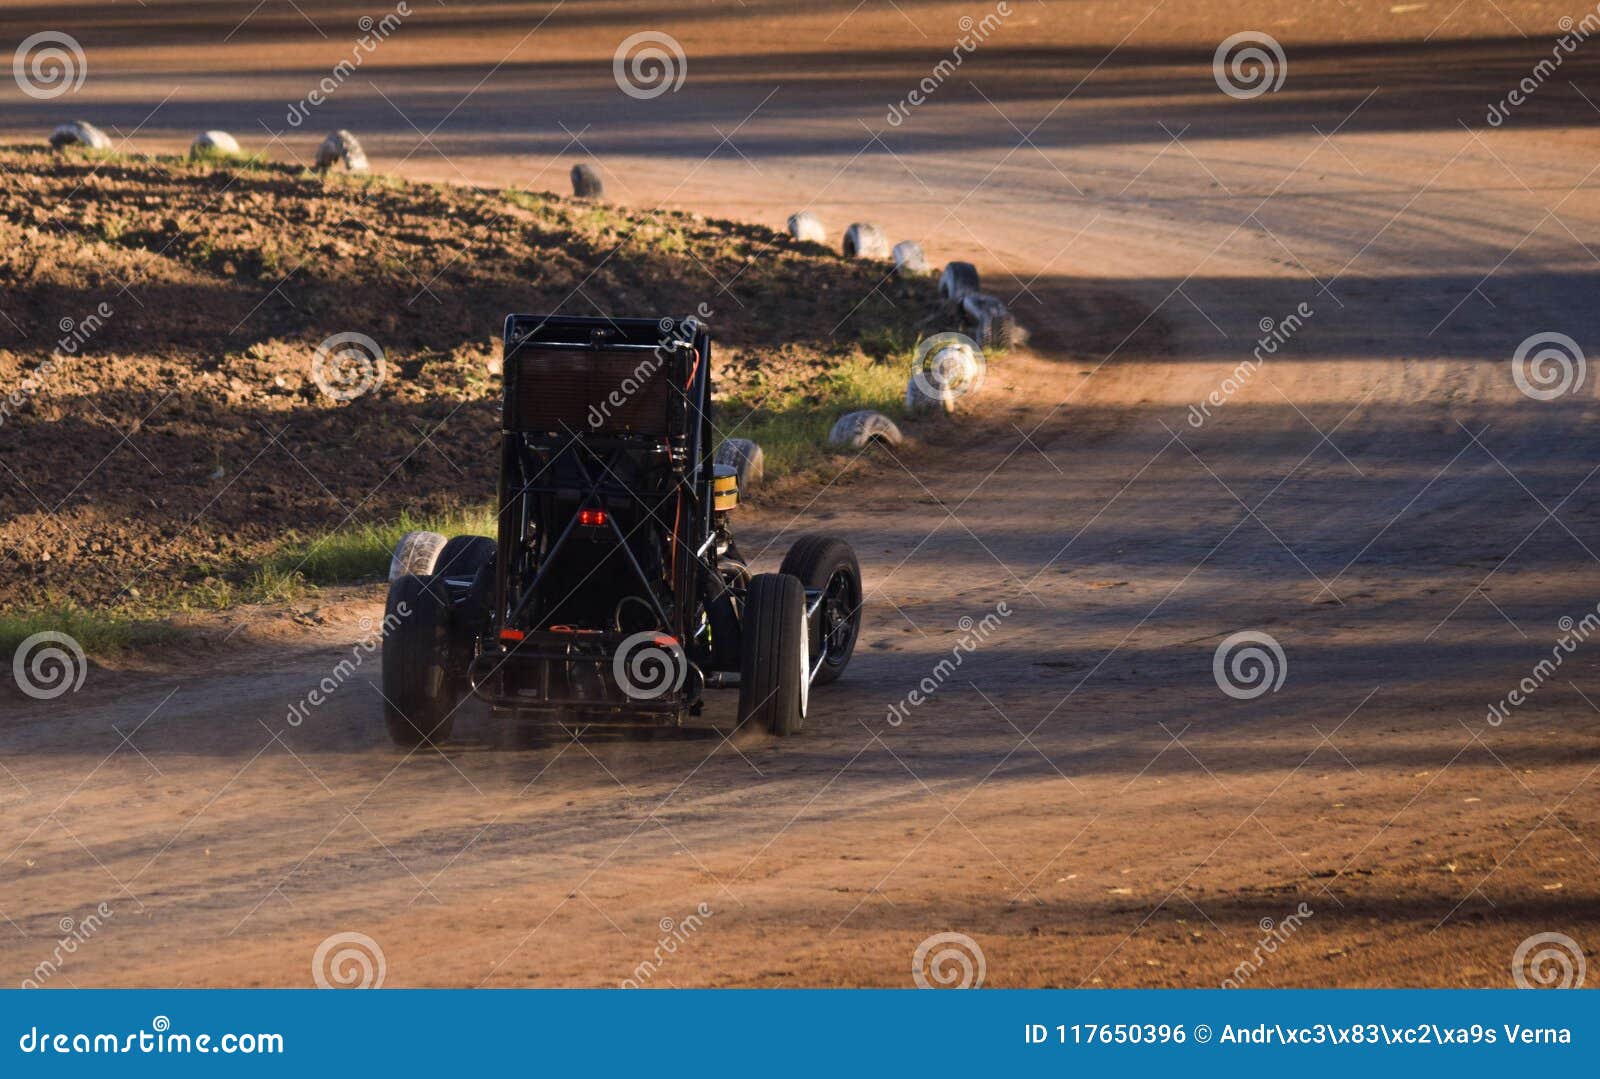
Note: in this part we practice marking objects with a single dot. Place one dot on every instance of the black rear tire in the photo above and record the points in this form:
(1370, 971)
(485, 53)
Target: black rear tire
(420, 688)
(462, 556)
(773, 660)
(827, 564)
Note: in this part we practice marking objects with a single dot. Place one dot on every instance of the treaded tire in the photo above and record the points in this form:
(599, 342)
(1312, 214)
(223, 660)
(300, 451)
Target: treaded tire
(749, 463)
(958, 279)
(816, 561)
(420, 689)
(463, 556)
(415, 555)
(773, 655)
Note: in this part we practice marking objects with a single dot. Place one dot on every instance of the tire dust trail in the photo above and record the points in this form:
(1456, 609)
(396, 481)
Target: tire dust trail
(1078, 795)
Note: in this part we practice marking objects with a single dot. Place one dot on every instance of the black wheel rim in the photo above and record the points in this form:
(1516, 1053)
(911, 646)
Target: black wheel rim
(841, 605)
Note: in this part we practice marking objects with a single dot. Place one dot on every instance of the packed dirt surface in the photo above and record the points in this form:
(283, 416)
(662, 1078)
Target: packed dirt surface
(1081, 795)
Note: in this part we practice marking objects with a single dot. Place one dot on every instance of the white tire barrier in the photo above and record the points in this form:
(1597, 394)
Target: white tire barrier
(79, 133)
(807, 226)
(909, 261)
(947, 368)
(746, 458)
(864, 241)
(855, 429)
(415, 554)
(213, 142)
(958, 279)
(586, 183)
(993, 326)
(341, 147)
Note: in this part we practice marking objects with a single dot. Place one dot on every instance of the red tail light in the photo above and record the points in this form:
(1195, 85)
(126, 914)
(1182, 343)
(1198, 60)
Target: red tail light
(591, 518)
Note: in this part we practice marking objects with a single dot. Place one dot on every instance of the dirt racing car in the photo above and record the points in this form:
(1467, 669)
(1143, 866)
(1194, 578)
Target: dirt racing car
(614, 594)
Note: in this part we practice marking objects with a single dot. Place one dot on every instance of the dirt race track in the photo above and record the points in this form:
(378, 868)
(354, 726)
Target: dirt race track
(1079, 795)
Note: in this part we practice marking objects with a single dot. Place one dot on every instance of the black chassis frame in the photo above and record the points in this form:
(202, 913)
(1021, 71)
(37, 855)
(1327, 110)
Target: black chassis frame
(516, 661)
